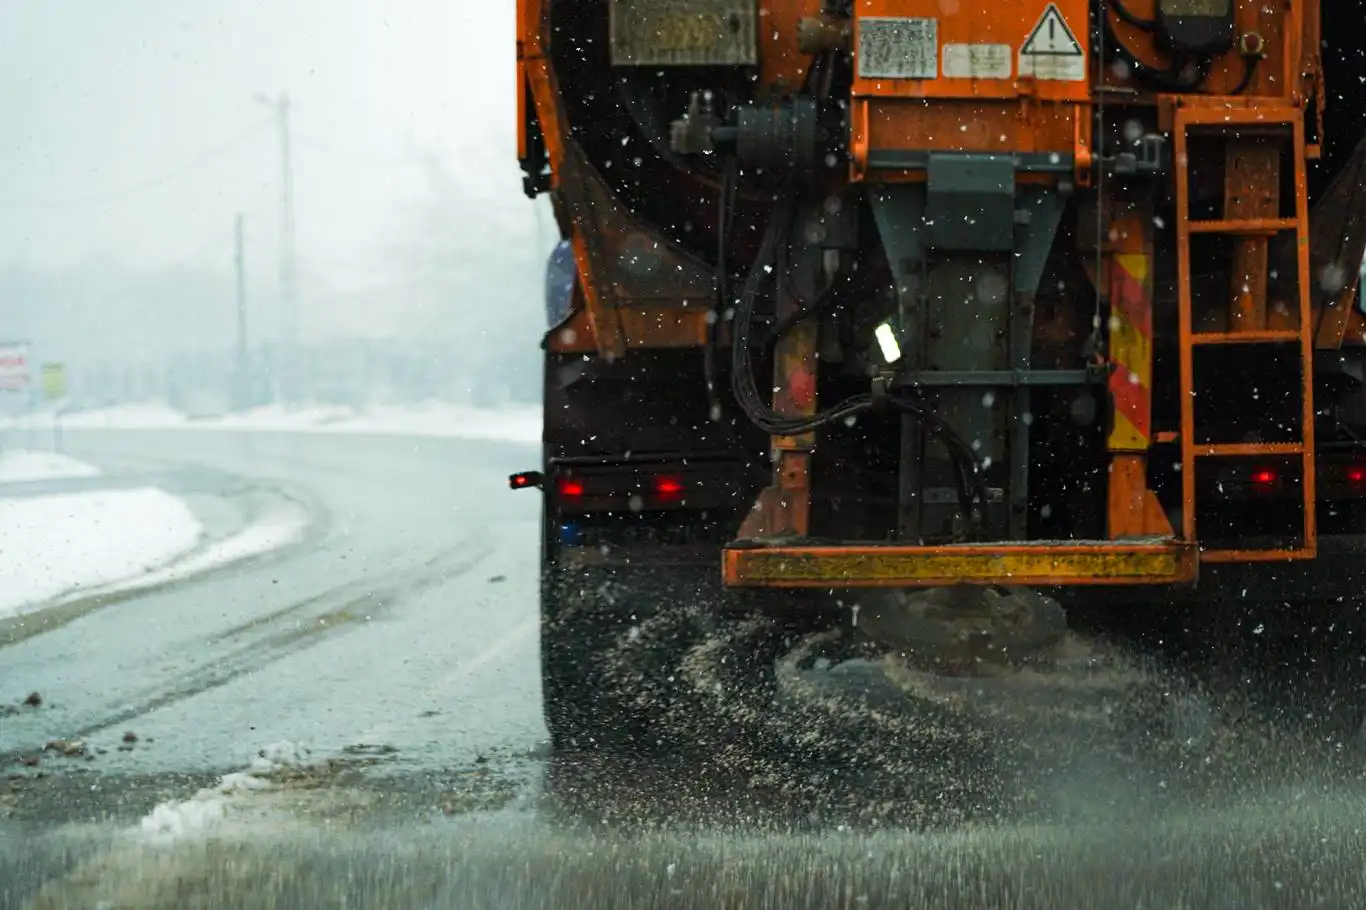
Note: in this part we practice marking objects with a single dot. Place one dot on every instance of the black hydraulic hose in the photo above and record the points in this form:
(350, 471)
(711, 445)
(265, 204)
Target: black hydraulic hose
(1168, 79)
(725, 214)
(817, 308)
(730, 184)
(1250, 62)
(1127, 15)
(970, 476)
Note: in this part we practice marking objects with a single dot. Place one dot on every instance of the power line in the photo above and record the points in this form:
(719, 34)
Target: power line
(411, 159)
(337, 157)
(204, 158)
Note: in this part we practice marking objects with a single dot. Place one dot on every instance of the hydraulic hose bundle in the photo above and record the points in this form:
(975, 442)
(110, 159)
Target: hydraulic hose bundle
(1189, 69)
(968, 470)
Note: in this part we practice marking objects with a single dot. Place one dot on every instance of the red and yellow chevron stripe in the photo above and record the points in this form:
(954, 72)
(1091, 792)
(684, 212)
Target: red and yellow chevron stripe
(1131, 353)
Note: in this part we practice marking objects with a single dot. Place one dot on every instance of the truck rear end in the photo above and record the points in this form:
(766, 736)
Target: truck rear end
(904, 295)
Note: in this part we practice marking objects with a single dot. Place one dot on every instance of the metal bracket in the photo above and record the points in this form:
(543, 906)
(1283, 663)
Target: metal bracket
(881, 385)
(999, 378)
(1149, 156)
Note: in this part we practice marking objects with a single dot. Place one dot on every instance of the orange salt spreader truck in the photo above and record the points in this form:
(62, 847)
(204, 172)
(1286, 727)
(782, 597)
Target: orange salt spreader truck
(897, 295)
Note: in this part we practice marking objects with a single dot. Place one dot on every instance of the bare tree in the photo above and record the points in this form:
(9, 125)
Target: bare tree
(475, 254)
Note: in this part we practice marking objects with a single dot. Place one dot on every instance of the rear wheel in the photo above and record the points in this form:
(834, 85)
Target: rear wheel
(572, 698)
(582, 616)
(608, 680)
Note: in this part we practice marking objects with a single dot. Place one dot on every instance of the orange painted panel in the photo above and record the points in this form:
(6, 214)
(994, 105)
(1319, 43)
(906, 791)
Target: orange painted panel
(966, 126)
(782, 67)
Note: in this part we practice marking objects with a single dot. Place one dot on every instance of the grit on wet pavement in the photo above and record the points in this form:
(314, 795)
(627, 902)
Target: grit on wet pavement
(356, 722)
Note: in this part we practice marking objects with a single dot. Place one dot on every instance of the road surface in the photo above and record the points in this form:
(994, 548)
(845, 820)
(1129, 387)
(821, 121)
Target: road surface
(386, 667)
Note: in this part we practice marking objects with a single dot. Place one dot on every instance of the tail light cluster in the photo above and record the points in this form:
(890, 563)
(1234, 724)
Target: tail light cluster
(658, 489)
(1258, 481)
(1346, 478)
(610, 487)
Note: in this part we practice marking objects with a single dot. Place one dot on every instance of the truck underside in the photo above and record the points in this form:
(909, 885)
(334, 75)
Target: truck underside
(903, 309)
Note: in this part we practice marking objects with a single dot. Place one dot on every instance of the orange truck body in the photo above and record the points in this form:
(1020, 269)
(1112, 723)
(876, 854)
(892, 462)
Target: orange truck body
(1149, 183)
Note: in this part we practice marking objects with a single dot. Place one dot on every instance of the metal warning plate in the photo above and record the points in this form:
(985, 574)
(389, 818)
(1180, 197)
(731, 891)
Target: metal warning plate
(898, 48)
(684, 33)
(1051, 51)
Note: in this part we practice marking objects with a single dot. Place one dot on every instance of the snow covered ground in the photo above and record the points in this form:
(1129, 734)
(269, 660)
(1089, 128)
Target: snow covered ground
(213, 808)
(69, 542)
(24, 467)
(520, 423)
(63, 546)
(272, 530)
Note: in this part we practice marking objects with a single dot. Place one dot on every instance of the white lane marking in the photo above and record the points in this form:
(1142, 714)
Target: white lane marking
(463, 670)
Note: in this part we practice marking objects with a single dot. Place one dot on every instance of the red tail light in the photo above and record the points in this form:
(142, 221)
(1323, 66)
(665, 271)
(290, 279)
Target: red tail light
(1356, 475)
(525, 480)
(668, 487)
(570, 488)
(1264, 477)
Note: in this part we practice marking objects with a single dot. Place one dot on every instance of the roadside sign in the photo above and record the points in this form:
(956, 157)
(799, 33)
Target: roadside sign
(54, 381)
(14, 366)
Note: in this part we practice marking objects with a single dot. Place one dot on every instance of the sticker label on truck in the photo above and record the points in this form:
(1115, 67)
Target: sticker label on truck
(977, 61)
(898, 48)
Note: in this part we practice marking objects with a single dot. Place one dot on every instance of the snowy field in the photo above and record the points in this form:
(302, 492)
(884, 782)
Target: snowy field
(65, 543)
(25, 467)
(62, 546)
(276, 528)
(520, 423)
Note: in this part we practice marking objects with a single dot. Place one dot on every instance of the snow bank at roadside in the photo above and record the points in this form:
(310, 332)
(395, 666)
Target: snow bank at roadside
(518, 423)
(273, 530)
(210, 808)
(17, 466)
(66, 543)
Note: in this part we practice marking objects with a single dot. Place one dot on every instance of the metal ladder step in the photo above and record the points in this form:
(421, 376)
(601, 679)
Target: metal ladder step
(1267, 226)
(1265, 336)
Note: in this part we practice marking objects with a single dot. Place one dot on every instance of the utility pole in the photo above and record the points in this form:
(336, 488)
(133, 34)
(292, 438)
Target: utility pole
(241, 388)
(289, 287)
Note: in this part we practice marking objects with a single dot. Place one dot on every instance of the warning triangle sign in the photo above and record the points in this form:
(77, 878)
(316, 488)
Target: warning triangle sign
(1051, 37)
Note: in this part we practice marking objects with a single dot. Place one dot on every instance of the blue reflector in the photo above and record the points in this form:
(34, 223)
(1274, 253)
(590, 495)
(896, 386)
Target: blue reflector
(571, 535)
(561, 273)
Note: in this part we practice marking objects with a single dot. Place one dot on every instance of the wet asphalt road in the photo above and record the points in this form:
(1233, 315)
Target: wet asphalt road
(406, 616)
(397, 642)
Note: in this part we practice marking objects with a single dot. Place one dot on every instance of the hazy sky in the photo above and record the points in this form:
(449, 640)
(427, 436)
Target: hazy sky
(128, 133)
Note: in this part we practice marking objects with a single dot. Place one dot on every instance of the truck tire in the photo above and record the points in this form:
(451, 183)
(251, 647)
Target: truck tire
(576, 632)
(607, 684)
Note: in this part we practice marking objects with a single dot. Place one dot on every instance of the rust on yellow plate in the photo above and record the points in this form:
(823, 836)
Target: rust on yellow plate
(890, 566)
